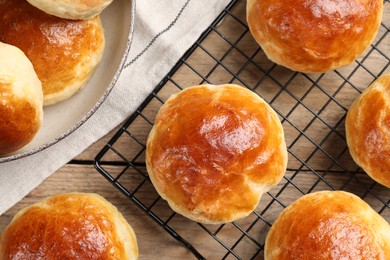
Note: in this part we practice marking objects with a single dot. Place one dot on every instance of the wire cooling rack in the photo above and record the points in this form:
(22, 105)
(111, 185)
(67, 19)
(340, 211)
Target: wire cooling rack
(312, 109)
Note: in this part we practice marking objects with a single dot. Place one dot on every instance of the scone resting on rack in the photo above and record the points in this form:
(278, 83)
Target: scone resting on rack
(328, 225)
(21, 100)
(314, 36)
(214, 150)
(69, 226)
(367, 128)
(72, 9)
(64, 53)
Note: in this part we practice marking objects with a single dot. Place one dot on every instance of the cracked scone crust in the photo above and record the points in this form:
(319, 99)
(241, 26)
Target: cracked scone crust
(367, 129)
(64, 53)
(69, 226)
(328, 225)
(314, 36)
(214, 150)
(72, 9)
(21, 100)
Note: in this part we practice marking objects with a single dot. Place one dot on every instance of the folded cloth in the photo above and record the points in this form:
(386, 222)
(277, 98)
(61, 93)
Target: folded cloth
(164, 30)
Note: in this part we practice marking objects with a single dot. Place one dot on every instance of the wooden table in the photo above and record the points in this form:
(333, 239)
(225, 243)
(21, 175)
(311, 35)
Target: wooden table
(154, 243)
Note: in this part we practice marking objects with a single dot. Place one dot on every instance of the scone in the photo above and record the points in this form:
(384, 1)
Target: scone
(314, 36)
(64, 53)
(21, 100)
(328, 225)
(72, 9)
(69, 226)
(367, 128)
(214, 150)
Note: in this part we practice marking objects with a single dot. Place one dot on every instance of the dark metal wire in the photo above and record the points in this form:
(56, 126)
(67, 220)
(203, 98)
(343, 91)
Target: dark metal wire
(136, 165)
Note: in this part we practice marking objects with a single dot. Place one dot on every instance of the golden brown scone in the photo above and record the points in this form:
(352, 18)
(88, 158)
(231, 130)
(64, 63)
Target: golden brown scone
(328, 225)
(69, 226)
(72, 9)
(64, 53)
(314, 36)
(367, 128)
(214, 150)
(20, 100)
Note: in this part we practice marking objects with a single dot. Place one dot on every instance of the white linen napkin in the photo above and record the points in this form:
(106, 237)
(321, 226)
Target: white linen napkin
(164, 30)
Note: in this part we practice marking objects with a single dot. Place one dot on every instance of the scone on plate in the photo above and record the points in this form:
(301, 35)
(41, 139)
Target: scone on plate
(69, 226)
(72, 9)
(367, 128)
(328, 225)
(214, 150)
(64, 53)
(21, 100)
(314, 36)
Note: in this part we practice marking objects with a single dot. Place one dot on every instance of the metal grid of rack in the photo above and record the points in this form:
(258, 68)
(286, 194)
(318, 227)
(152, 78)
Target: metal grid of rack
(312, 109)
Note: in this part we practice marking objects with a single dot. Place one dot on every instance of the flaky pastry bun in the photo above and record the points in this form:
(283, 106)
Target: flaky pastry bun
(72, 9)
(328, 225)
(64, 53)
(69, 226)
(314, 36)
(214, 150)
(21, 100)
(367, 128)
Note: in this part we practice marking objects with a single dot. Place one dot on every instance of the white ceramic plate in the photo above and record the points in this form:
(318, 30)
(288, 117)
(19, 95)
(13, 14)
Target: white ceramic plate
(62, 119)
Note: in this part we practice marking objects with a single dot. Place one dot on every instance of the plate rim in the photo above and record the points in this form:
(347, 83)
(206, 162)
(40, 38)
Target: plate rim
(100, 101)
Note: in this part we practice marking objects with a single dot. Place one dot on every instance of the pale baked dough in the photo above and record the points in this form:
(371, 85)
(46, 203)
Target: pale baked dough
(69, 226)
(20, 100)
(367, 129)
(63, 52)
(328, 225)
(314, 36)
(214, 150)
(72, 9)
